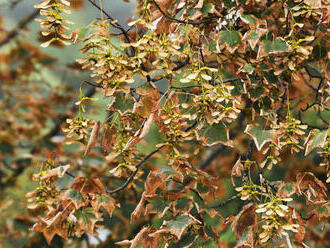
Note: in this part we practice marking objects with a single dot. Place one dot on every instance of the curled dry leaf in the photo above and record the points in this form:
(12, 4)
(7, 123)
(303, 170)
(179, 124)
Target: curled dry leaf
(311, 187)
(247, 217)
(237, 170)
(56, 172)
(93, 138)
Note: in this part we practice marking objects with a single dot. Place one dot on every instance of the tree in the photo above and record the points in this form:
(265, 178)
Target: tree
(217, 128)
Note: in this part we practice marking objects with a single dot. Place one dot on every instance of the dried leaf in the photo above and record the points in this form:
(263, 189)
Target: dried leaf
(237, 170)
(245, 218)
(93, 138)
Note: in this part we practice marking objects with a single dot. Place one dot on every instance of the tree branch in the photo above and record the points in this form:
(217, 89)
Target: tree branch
(212, 156)
(206, 20)
(22, 24)
(131, 177)
(222, 204)
(113, 21)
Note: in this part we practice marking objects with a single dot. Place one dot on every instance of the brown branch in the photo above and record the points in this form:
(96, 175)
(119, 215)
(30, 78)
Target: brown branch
(113, 22)
(213, 155)
(93, 84)
(22, 24)
(191, 189)
(222, 204)
(131, 177)
(305, 81)
(206, 20)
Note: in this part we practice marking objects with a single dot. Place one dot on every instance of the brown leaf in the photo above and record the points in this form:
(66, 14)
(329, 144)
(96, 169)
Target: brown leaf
(177, 225)
(237, 171)
(154, 180)
(84, 185)
(53, 224)
(146, 126)
(315, 139)
(142, 238)
(93, 138)
(314, 4)
(245, 218)
(56, 172)
(138, 209)
(199, 5)
(105, 201)
(108, 138)
(311, 187)
(300, 235)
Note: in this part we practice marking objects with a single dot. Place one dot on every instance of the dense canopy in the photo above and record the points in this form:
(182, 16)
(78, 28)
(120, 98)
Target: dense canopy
(200, 123)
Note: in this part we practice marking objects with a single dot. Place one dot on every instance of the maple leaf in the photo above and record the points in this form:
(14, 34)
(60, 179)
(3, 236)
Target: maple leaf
(86, 219)
(84, 185)
(52, 224)
(76, 198)
(105, 201)
(154, 180)
(177, 225)
(261, 136)
(311, 187)
(315, 139)
(245, 218)
(143, 238)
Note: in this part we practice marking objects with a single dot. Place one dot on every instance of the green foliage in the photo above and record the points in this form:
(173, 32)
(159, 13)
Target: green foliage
(203, 124)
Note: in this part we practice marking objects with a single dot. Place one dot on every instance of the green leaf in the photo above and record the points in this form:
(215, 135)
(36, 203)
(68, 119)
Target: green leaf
(103, 198)
(279, 46)
(214, 133)
(158, 204)
(249, 19)
(253, 35)
(191, 12)
(248, 68)
(260, 135)
(185, 241)
(276, 45)
(203, 189)
(85, 215)
(206, 8)
(213, 46)
(256, 92)
(313, 72)
(322, 210)
(232, 38)
(319, 52)
(178, 225)
(182, 203)
(75, 195)
(316, 138)
(230, 4)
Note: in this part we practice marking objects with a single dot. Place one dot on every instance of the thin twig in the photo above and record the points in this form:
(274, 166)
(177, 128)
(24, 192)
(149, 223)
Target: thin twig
(305, 81)
(113, 21)
(131, 177)
(191, 189)
(212, 156)
(69, 174)
(222, 204)
(12, 34)
(93, 84)
(191, 126)
(206, 20)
